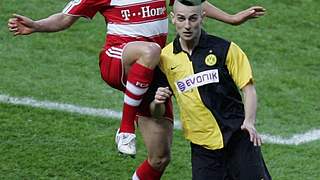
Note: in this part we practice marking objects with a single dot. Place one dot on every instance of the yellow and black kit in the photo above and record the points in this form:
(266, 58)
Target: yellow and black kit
(206, 86)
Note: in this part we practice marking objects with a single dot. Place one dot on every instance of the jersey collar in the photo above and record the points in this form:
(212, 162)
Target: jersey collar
(202, 42)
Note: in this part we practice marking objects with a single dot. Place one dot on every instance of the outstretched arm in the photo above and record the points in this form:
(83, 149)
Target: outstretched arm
(236, 19)
(21, 25)
(250, 107)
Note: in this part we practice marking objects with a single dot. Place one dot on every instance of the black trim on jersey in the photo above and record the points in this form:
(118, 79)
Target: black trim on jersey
(202, 43)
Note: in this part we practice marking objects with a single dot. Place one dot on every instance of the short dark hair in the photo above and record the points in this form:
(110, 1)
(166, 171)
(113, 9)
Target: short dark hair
(191, 2)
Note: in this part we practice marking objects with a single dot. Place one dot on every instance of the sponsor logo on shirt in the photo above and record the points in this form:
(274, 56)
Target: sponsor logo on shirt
(172, 68)
(143, 12)
(196, 80)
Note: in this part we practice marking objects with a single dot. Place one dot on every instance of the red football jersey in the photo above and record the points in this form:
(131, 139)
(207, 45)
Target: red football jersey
(127, 20)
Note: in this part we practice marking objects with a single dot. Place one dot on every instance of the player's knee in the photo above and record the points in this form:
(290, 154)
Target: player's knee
(157, 112)
(161, 162)
(151, 54)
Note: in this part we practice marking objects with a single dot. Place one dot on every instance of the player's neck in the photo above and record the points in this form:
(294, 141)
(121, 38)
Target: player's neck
(188, 46)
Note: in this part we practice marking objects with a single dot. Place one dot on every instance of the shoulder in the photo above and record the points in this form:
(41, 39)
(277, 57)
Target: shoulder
(166, 55)
(217, 41)
(167, 52)
(235, 48)
(167, 49)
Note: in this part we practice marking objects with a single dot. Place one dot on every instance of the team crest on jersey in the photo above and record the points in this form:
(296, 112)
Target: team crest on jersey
(211, 60)
(196, 80)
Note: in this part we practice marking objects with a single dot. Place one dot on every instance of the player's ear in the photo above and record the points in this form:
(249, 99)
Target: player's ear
(204, 14)
(172, 17)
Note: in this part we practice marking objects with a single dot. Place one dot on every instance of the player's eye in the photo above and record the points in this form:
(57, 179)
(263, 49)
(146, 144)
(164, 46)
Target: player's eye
(193, 18)
(181, 18)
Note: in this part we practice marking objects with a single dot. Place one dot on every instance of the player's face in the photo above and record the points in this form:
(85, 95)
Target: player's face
(188, 21)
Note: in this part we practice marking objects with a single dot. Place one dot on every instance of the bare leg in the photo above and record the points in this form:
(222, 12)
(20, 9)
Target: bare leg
(139, 60)
(157, 136)
(144, 53)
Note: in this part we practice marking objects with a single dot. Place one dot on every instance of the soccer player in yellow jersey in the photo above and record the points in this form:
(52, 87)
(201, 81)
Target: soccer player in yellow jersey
(136, 32)
(205, 74)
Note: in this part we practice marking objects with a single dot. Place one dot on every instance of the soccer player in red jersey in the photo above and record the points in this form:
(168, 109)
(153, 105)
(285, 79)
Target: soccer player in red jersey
(136, 32)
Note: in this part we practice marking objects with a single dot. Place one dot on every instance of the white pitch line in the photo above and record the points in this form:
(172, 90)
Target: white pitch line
(296, 139)
(59, 106)
(26, 101)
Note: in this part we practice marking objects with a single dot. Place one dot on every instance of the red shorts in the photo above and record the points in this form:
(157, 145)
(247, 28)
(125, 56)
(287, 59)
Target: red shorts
(144, 109)
(111, 67)
(112, 73)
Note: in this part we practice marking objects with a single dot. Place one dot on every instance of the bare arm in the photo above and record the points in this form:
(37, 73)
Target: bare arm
(250, 107)
(21, 25)
(236, 19)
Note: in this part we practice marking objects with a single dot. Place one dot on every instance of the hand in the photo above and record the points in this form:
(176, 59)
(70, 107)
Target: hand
(254, 136)
(21, 25)
(162, 94)
(243, 16)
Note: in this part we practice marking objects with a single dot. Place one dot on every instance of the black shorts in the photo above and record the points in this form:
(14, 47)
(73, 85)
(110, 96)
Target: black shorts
(239, 160)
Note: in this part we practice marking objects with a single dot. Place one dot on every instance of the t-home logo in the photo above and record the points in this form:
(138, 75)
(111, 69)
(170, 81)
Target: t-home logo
(144, 12)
